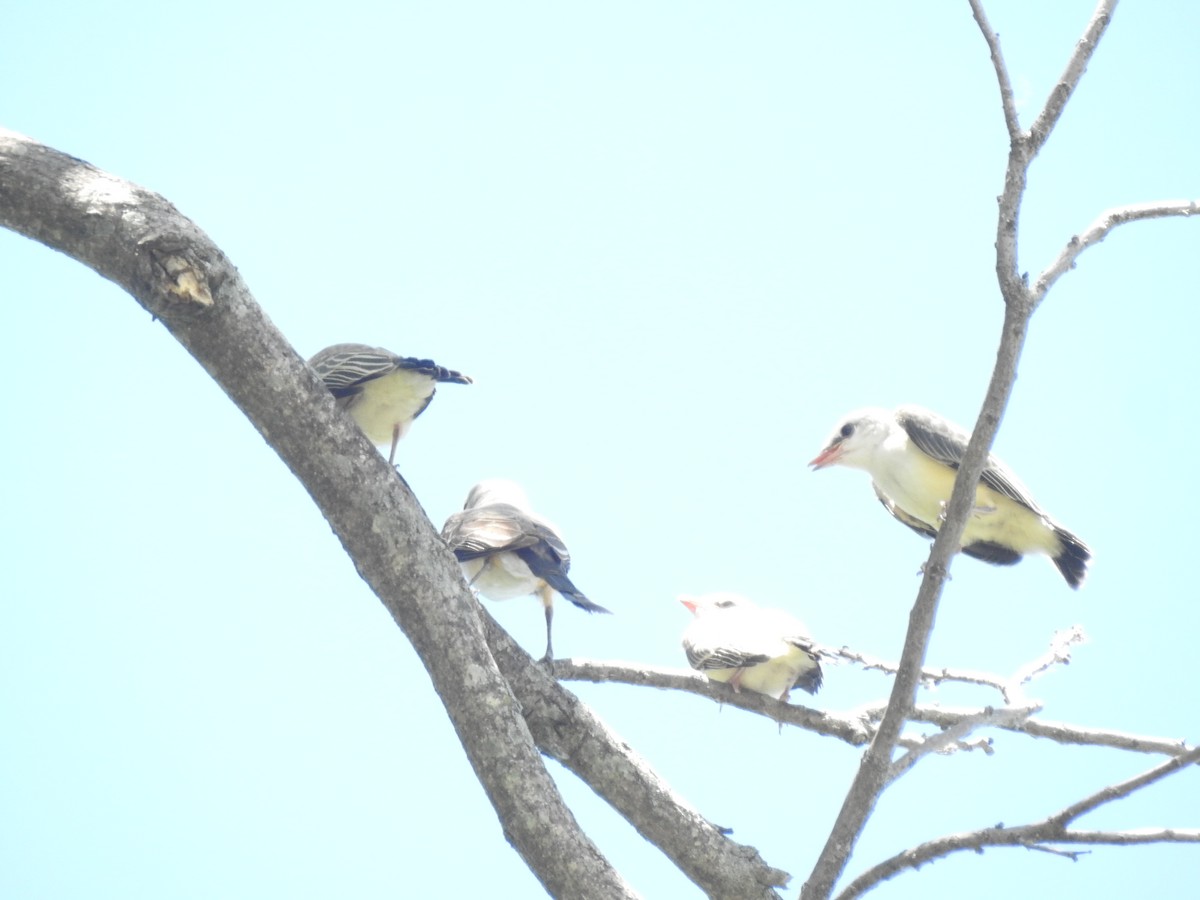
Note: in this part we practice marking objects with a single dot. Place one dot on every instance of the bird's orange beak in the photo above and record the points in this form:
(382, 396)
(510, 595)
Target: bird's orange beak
(689, 603)
(827, 457)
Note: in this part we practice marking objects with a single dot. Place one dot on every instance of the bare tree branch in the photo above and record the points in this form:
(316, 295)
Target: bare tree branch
(1007, 101)
(955, 735)
(875, 769)
(1099, 229)
(1067, 82)
(857, 728)
(567, 730)
(957, 724)
(137, 239)
(1125, 788)
(928, 677)
(1060, 732)
(846, 728)
(1057, 655)
(876, 766)
(1039, 835)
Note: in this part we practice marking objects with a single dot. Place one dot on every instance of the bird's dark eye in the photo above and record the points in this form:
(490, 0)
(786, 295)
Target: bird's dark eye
(847, 429)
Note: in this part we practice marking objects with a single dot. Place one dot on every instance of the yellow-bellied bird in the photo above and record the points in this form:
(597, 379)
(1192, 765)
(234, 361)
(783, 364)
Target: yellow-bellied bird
(762, 650)
(383, 392)
(913, 455)
(506, 550)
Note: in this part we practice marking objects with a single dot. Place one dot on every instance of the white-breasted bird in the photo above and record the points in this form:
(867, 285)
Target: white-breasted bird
(913, 456)
(383, 392)
(763, 650)
(506, 550)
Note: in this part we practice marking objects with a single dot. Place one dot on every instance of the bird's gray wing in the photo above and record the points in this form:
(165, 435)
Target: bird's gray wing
(495, 528)
(701, 656)
(947, 443)
(345, 368)
(500, 528)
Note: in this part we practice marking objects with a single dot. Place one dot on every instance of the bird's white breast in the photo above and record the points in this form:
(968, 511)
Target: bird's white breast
(501, 576)
(911, 479)
(393, 398)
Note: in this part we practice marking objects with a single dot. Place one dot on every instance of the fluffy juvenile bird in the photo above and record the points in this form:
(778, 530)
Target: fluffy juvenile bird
(506, 550)
(383, 392)
(762, 650)
(913, 456)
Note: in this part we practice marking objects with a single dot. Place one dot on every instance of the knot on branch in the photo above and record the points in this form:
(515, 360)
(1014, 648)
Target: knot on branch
(180, 280)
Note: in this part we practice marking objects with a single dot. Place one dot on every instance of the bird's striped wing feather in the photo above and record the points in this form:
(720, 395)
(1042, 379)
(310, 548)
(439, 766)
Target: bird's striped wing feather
(495, 528)
(947, 444)
(345, 368)
(702, 657)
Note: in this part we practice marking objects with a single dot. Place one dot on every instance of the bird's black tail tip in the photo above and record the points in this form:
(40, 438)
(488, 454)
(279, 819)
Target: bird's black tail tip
(584, 603)
(1072, 560)
(811, 680)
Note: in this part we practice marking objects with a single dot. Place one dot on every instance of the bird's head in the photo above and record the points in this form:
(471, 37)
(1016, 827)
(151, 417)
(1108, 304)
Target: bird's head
(855, 439)
(704, 603)
(496, 490)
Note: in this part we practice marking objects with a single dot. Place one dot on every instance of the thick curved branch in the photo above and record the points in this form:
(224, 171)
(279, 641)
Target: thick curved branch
(1045, 834)
(138, 240)
(568, 731)
(1099, 229)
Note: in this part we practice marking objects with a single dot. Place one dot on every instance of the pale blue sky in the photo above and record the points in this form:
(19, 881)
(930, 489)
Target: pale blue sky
(673, 243)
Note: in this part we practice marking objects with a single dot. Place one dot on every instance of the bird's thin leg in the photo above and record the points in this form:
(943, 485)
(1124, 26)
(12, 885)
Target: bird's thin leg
(487, 562)
(736, 681)
(395, 441)
(547, 595)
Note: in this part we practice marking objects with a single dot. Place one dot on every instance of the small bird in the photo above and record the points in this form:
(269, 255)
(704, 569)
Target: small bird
(383, 392)
(506, 550)
(913, 455)
(762, 650)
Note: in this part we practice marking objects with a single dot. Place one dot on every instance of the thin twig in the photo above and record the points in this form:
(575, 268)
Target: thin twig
(929, 677)
(1043, 835)
(955, 735)
(1006, 91)
(857, 727)
(1069, 80)
(845, 727)
(1099, 229)
(1026, 836)
(1057, 655)
(1125, 788)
